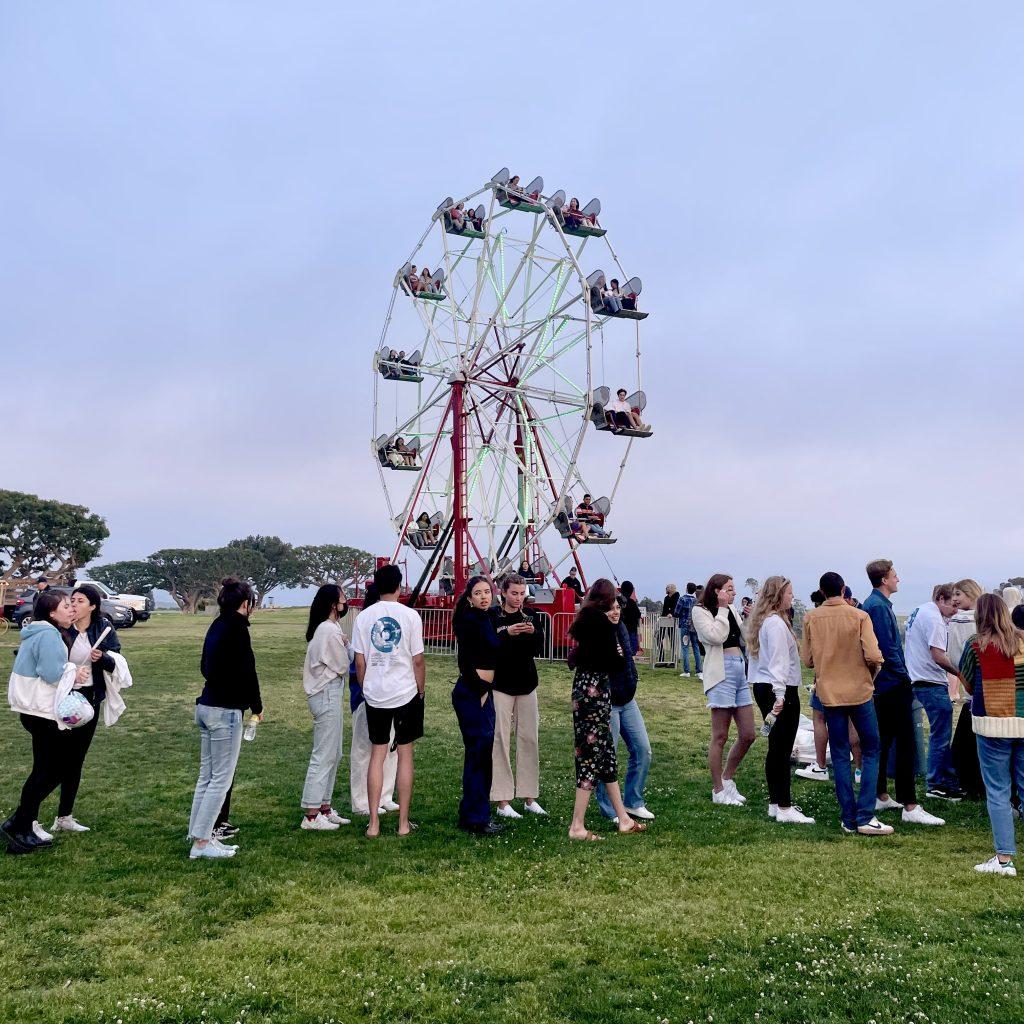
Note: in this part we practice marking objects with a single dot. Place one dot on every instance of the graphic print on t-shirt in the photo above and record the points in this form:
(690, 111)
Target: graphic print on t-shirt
(386, 634)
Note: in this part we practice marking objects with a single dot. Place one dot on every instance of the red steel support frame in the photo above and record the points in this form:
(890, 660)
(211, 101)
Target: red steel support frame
(461, 526)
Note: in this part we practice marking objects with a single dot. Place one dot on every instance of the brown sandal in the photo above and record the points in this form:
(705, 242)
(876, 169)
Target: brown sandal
(638, 826)
(590, 837)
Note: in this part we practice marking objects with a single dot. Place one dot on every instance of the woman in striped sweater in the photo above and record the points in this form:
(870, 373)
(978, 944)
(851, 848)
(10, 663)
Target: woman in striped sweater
(992, 670)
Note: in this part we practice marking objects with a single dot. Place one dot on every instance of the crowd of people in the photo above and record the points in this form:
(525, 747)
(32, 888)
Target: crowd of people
(962, 646)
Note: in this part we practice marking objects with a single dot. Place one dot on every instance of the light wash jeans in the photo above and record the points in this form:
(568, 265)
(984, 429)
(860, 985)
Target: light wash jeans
(628, 721)
(220, 739)
(939, 709)
(687, 648)
(327, 708)
(1001, 761)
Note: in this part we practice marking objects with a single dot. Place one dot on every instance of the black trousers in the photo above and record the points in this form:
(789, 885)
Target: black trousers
(57, 759)
(476, 723)
(895, 712)
(780, 741)
(965, 757)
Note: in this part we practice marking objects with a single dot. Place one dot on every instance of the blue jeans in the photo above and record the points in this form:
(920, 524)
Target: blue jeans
(220, 739)
(687, 647)
(939, 709)
(476, 723)
(1001, 760)
(855, 810)
(628, 721)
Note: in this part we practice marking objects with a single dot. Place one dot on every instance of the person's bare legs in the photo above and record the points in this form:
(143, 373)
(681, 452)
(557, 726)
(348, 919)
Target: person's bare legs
(854, 746)
(615, 796)
(578, 825)
(720, 719)
(820, 739)
(744, 740)
(374, 784)
(404, 781)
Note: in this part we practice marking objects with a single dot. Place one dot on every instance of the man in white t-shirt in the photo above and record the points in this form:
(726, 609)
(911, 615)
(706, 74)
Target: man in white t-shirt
(927, 663)
(388, 643)
(620, 414)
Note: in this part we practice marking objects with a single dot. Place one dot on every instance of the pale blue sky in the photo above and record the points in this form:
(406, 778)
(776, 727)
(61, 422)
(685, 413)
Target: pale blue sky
(203, 206)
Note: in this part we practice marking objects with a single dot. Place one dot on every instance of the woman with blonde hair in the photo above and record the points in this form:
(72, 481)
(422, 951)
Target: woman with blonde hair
(774, 674)
(992, 669)
(964, 749)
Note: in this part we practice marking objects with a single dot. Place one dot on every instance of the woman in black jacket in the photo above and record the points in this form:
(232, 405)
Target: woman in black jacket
(81, 637)
(597, 654)
(473, 701)
(232, 686)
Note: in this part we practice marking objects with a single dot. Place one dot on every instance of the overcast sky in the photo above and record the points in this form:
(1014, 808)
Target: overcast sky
(203, 206)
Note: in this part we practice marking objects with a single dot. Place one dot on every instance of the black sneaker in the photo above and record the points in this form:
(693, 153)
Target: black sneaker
(225, 830)
(18, 842)
(490, 828)
(942, 793)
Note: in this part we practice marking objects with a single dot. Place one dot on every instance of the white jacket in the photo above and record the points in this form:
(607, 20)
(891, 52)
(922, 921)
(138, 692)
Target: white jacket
(118, 680)
(778, 660)
(712, 631)
(327, 657)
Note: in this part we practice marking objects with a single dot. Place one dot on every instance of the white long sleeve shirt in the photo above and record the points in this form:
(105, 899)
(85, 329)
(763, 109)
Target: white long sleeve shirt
(778, 659)
(327, 657)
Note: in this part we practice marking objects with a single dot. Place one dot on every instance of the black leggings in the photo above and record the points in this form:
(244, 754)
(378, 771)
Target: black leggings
(780, 741)
(895, 712)
(57, 759)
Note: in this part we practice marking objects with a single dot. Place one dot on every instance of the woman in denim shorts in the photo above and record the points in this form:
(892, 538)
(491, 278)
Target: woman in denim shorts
(725, 685)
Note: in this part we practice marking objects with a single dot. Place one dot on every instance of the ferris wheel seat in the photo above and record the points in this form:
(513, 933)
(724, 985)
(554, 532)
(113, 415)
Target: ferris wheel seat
(626, 314)
(585, 232)
(464, 233)
(437, 296)
(524, 206)
(600, 540)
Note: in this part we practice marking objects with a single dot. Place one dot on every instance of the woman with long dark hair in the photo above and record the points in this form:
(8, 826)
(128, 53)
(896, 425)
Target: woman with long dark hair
(86, 629)
(473, 700)
(597, 654)
(232, 686)
(725, 685)
(39, 667)
(324, 673)
(990, 670)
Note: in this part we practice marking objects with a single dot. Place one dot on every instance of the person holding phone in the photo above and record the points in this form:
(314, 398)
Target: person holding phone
(515, 702)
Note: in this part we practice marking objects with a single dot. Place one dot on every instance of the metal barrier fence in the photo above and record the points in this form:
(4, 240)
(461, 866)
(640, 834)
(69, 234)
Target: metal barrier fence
(659, 635)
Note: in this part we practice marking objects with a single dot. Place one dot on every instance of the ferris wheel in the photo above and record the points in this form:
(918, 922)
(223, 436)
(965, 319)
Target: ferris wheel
(504, 343)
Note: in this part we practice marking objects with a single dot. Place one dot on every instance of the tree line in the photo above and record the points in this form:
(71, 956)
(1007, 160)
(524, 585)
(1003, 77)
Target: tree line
(39, 536)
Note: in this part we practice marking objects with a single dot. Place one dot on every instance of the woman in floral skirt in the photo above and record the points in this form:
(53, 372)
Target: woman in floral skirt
(596, 654)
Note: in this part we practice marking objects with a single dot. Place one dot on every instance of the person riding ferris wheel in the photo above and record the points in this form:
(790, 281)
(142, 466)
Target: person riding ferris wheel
(487, 381)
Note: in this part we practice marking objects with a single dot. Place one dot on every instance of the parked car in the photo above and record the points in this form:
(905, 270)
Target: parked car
(120, 615)
(142, 606)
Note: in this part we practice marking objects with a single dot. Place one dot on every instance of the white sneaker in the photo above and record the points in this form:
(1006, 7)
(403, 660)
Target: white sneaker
(888, 804)
(730, 786)
(997, 867)
(212, 850)
(856, 776)
(793, 816)
(535, 808)
(233, 847)
(724, 797)
(814, 772)
(875, 828)
(335, 818)
(700, 676)
(773, 810)
(40, 833)
(919, 816)
(508, 811)
(318, 824)
(68, 824)
(640, 812)
(389, 805)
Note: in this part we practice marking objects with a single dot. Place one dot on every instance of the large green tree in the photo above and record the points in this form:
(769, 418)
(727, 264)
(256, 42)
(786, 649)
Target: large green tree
(191, 574)
(38, 535)
(275, 566)
(332, 563)
(127, 577)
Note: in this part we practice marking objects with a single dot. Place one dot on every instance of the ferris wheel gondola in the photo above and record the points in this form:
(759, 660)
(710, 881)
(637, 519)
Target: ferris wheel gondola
(489, 413)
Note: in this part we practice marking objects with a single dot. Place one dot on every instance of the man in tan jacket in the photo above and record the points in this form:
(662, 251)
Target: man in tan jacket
(839, 644)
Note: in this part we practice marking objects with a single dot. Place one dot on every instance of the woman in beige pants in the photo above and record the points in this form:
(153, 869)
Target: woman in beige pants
(515, 703)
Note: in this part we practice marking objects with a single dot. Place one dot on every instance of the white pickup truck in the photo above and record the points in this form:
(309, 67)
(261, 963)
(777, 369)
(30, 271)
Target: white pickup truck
(141, 606)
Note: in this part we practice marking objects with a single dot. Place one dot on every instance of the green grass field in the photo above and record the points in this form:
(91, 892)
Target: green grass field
(715, 915)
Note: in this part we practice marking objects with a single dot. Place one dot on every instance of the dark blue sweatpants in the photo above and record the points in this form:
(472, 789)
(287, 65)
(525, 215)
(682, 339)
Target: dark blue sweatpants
(476, 723)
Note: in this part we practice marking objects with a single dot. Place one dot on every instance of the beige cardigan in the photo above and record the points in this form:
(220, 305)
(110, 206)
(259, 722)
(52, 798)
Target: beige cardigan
(712, 631)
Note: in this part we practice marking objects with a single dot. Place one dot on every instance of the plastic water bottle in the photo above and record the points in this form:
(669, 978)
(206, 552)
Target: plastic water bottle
(769, 720)
(250, 729)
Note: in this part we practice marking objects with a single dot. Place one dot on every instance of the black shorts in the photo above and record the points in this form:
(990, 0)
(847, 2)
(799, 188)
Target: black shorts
(407, 720)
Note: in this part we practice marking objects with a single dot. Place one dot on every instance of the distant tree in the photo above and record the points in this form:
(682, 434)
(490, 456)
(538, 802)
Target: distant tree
(191, 575)
(799, 611)
(753, 585)
(332, 563)
(1013, 581)
(277, 566)
(650, 605)
(38, 535)
(126, 577)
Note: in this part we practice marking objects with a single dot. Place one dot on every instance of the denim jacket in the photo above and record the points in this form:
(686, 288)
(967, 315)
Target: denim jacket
(887, 632)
